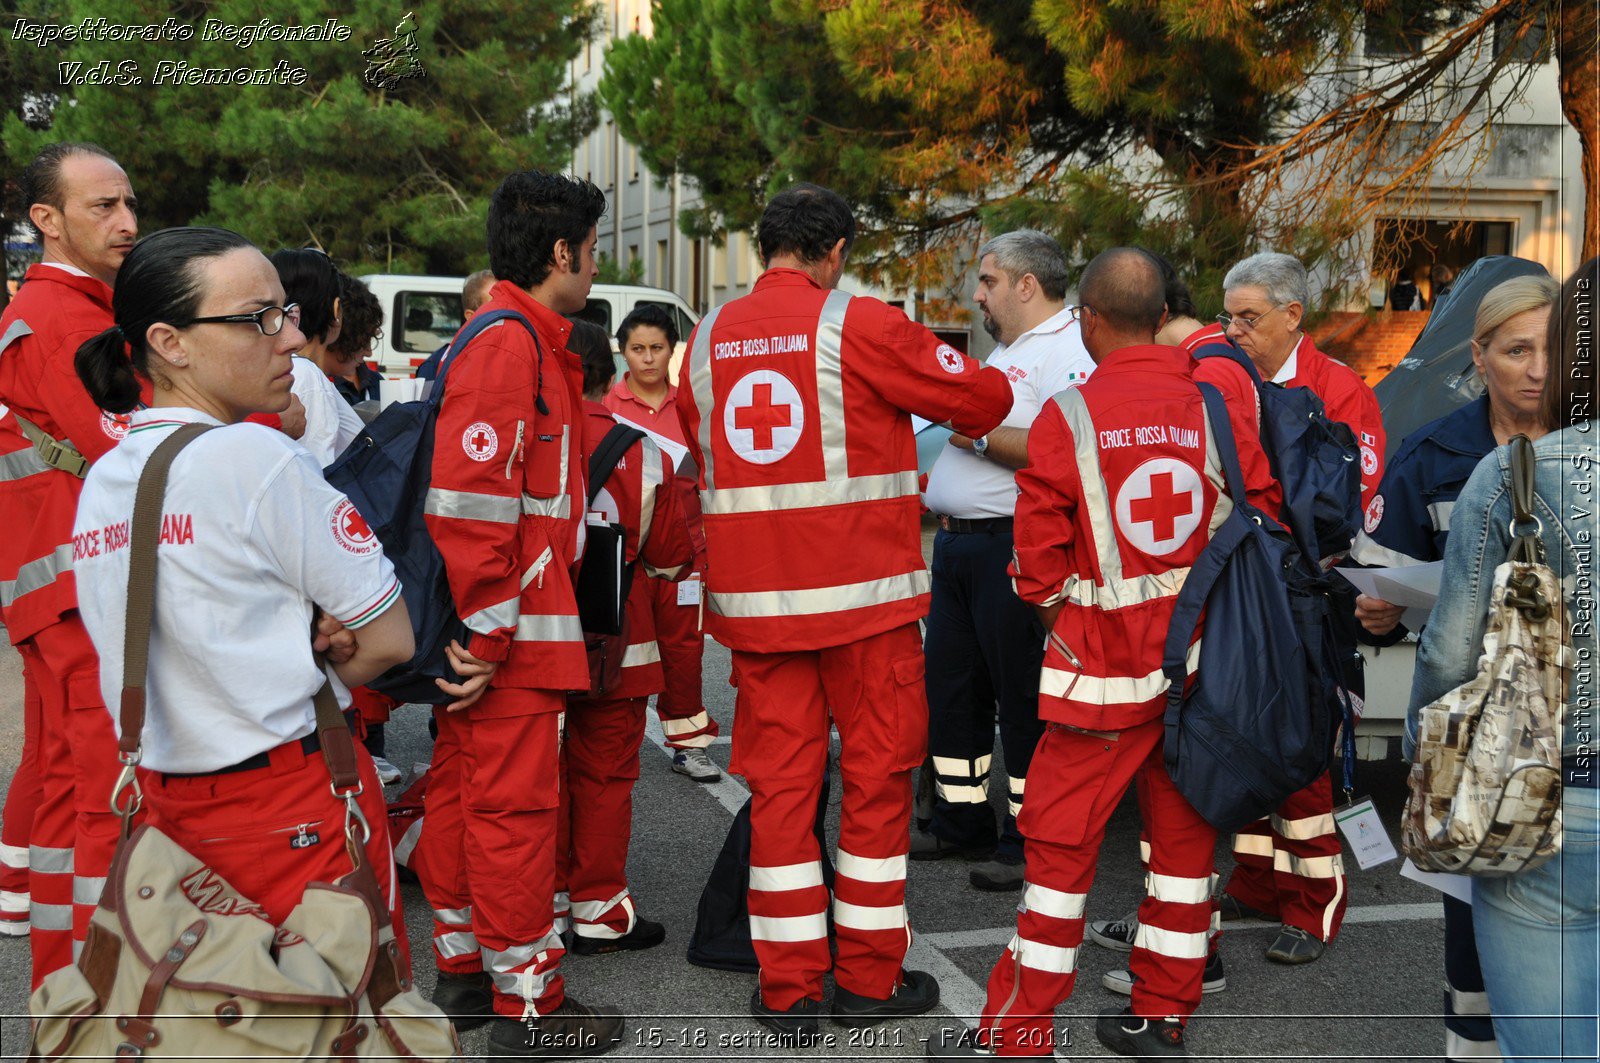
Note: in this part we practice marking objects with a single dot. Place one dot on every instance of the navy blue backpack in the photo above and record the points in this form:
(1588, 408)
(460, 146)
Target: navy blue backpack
(1315, 458)
(1242, 737)
(386, 472)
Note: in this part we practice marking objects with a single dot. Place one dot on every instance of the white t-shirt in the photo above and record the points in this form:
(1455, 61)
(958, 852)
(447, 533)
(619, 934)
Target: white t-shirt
(331, 423)
(251, 537)
(1041, 363)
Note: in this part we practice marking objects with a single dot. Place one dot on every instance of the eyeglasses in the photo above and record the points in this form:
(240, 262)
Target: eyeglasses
(1080, 309)
(1246, 324)
(269, 319)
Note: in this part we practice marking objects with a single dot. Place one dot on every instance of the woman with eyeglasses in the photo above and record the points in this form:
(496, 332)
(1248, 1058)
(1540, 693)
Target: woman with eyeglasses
(255, 549)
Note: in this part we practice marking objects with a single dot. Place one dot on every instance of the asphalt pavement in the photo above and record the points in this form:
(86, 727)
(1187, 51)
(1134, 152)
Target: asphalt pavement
(1374, 995)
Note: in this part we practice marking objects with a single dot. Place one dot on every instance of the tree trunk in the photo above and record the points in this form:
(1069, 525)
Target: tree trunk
(1579, 57)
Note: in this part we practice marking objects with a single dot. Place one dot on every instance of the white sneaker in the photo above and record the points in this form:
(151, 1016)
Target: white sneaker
(695, 764)
(387, 773)
(14, 928)
(1214, 980)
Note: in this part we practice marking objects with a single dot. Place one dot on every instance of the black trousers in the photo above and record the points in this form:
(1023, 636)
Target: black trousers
(984, 649)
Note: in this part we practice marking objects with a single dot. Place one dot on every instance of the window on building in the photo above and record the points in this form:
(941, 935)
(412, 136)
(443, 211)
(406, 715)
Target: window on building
(1417, 245)
(663, 273)
(1524, 32)
(633, 164)
(633, 254)
(1390, 37)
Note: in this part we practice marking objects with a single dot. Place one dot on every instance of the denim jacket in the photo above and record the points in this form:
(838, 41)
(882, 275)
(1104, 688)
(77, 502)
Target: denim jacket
(1480, 539)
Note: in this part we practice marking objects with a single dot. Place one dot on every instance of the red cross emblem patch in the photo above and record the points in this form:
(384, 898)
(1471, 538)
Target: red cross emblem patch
(351, 531)
(115, 425)
(479, 441)
(1158, 507)
(763, 416)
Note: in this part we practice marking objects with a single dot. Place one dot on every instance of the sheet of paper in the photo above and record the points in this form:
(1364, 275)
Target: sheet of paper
(1414, 586)
(689, 592)
(1364, 830)
(1457, 886)
(676, 452)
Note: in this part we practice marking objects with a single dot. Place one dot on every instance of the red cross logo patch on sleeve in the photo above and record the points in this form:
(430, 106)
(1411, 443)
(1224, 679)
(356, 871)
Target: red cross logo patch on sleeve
(479, 441)
(950, 359)
(1369, 460)
(1374, 514)
(763, 417)
(1158, 507)
(351, 531)
(115, 425)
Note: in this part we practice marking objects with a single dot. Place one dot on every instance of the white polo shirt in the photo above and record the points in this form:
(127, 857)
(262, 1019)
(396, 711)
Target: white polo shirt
(1041, 363)
(331, 423)
(251, 537)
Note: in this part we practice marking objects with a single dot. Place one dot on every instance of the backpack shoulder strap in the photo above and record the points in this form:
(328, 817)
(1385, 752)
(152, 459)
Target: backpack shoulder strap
(469, 332)
(1233, 354)
(1227, 447)
(610, 451)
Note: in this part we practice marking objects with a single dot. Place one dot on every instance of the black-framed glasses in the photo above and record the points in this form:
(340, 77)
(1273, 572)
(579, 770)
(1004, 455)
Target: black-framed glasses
(269, 319)
(1246, 324)
(1081, 309)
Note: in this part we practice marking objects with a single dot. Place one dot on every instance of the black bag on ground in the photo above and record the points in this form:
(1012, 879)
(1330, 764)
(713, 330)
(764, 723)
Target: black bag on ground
(721, 938)
(1242, 737)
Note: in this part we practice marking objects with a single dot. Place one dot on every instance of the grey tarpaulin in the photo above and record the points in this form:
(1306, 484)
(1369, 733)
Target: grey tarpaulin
(1437, 375)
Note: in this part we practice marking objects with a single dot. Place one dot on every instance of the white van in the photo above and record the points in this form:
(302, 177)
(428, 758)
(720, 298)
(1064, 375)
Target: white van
(422, 313)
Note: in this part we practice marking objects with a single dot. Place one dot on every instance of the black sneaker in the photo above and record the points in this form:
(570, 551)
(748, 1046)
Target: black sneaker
(1295, 946)
(917, 994)
(468, 999)
(646, 934)
(998, 876)
(1232, 911)
(1116, 934)
(797, 1025)
(572, 1029)
(925, 846)
(956, 1042)
(1214, 980)
(1128, 1035)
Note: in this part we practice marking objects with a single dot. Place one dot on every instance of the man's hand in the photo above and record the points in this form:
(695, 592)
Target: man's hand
(294, 418)
(1047, 615)
(960, 442)
(477, 675)
(1376, 615)
(333, 639)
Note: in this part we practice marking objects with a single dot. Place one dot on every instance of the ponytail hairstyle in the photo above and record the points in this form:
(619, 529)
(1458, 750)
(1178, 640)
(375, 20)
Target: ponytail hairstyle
(593, 347)
(312, 280)
(161, 281)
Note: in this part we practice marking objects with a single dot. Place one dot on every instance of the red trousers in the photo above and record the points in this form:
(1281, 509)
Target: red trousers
(1075, 783)
(16, 819)
(1289, 864)
(272, 831)
(486, 857)
(599, 765)
(873, 691)
(681, 706)
(74, 830)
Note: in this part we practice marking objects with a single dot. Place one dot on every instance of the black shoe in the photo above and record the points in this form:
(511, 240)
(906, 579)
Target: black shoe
(1128, 1035)
(797, 1025)
(646, 934)
(467, 999)
(917, 994)
(956, 1042)
(925, 846)
(1295, 946)
(998, 876)
(572, 1029)
(1232, 910)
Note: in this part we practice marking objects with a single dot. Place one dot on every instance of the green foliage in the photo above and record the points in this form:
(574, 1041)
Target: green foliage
(395, 179)
(614, 272)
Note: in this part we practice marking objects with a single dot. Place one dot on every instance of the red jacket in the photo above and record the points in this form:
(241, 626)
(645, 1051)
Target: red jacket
(1347, 398)
(53, 313)
(1121, 493)
(665, 421)
(506, 504)
(657, 536)
(797, 409)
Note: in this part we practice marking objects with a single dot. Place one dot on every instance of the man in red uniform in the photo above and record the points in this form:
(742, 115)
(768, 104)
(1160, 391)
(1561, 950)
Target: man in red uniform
(506, 511)
(1289, 865)
(83, 210)
(798, 417)
(646, 398)
(1122, 490)
(600, 754)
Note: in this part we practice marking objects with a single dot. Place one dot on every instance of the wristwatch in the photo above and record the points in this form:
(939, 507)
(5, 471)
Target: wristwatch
(980, 446)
